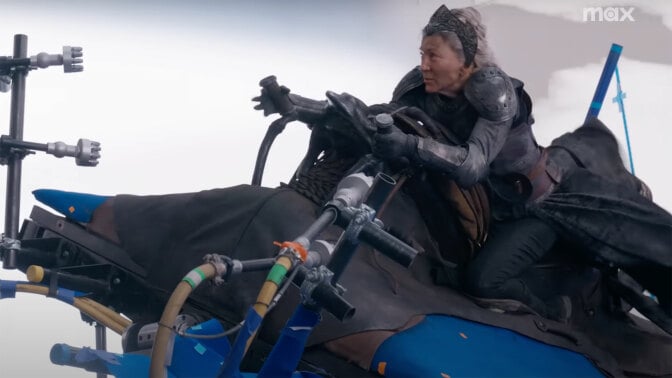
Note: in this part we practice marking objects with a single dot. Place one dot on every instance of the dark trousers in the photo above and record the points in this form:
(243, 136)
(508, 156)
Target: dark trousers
(512, 247)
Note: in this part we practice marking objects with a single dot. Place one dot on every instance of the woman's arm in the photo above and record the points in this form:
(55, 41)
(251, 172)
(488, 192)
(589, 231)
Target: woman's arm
(467, 163)
(492, 94)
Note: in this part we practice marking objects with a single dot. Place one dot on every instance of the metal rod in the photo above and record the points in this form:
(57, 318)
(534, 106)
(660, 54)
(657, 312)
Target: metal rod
(13, 195)
(257, 264)
(380, 189)
(101, 337)
(326, 219)
(67, 280)
(276, 127)
(12, 143)
(13, 198)
(101, 344)
(605, 79)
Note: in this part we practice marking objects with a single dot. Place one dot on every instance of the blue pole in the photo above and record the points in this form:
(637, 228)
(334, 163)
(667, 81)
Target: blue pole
(603, 84)
(620, 95)
(231, 366)
(287, 352)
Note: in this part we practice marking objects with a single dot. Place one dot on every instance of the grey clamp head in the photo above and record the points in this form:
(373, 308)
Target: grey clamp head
(86, 152)
(72, 59)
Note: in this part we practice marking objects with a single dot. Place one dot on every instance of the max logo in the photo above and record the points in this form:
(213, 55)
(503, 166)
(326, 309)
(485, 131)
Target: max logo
(608, 14)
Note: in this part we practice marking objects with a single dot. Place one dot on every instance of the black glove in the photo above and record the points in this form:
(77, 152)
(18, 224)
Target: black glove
(355, 111)
(265, 102)
(395, 145)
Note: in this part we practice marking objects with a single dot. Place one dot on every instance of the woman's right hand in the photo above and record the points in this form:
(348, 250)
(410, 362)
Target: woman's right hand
(395, 145)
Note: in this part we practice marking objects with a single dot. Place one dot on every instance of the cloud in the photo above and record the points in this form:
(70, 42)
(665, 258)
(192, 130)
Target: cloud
(573, 9)
(647, 87)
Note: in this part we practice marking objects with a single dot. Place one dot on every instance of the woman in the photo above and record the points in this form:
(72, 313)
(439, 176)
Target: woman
(487, 115)
(484, 118)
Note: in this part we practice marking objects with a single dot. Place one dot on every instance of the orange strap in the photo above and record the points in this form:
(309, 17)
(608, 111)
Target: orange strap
(297, 247)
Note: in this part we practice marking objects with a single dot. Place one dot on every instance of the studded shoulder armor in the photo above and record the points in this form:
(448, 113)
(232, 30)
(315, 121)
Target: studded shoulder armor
(410, 81)
(491, 92)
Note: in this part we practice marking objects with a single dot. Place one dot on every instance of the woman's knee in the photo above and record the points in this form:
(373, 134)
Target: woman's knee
(480, 283)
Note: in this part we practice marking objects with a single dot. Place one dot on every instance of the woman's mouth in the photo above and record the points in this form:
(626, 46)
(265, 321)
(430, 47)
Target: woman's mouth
(429, 82)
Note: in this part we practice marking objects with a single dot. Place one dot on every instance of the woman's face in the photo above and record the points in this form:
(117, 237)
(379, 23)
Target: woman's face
(442, 70)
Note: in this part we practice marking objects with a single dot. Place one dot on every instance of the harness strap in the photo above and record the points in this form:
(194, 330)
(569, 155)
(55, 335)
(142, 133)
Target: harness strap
(541, 180)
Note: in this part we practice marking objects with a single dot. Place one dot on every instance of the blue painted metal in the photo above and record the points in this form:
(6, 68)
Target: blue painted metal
(287, 351)
(199, 357)
(439, 346)
(231, 366)
(191, 357)
(605, 79)
(100, 361)
(76, 206)
(443, 346)
(7, 289)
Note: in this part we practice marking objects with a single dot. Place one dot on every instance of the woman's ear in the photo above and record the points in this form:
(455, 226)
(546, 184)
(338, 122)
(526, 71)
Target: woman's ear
(463, 72)
(466, 71)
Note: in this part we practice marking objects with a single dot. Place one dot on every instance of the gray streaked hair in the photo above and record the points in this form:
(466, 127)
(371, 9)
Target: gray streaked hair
(484, 56)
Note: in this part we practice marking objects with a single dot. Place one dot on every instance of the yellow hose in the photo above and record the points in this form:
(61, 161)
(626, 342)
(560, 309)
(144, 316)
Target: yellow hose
(91, 308)
(157, 367)
(282, 265)
(118, 323)
(158, 362)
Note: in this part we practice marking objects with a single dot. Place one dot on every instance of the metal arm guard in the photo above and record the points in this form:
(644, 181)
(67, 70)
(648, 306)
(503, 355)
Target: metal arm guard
(468, 163)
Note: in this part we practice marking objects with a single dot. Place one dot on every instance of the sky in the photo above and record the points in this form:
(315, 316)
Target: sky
(167, 89)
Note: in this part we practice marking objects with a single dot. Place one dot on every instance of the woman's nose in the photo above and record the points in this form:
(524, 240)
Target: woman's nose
(424, 64)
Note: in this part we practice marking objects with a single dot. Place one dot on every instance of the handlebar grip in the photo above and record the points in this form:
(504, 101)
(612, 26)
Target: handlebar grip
(280, 100)
(384, 123)
(327, 297)
(389, 245)
(383, 241)
(384, 126)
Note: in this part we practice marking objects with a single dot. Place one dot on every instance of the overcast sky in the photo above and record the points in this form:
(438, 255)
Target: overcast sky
(166, 89)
